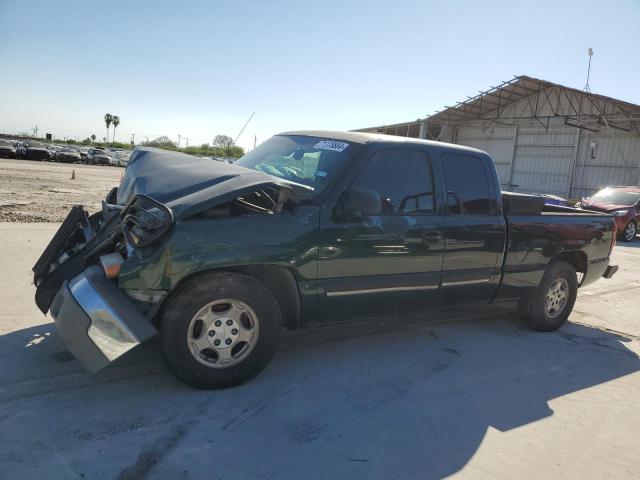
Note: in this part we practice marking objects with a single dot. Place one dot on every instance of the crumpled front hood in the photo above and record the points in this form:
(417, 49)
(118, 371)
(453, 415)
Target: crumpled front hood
(188, 184)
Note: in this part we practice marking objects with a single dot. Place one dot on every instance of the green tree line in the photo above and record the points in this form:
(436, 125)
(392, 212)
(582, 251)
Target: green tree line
(215, 150)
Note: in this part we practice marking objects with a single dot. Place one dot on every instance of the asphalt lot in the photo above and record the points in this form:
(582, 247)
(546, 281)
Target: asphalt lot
(428, 397)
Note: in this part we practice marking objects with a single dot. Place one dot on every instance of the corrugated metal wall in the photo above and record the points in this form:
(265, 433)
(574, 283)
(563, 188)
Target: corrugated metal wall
(536, 155)
(529, 157)
(614, 159)
(539, 157)
(544, 159)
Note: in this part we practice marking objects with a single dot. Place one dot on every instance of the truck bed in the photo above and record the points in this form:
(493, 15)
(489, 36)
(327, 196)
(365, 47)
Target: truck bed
(537, 233)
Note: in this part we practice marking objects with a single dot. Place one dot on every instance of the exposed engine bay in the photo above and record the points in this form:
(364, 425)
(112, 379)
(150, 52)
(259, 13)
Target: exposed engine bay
(263, 201)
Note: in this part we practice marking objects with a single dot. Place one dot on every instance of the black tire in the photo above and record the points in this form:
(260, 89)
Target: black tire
(629, 232)
(532, 311)
(190, 298)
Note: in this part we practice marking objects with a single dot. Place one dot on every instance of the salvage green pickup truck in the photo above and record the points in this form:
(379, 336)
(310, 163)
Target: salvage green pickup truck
(309, 228)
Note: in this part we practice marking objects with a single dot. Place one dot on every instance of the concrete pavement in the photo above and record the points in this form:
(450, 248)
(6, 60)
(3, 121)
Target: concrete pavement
(481, 398)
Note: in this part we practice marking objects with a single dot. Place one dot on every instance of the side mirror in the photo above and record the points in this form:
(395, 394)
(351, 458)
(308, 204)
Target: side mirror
(356, 203)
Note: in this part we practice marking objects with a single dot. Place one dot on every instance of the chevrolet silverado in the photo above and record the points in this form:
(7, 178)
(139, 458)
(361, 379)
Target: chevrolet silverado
(309, 228)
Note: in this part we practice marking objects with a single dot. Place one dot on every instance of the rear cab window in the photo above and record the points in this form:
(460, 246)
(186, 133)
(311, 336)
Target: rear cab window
(468, 186)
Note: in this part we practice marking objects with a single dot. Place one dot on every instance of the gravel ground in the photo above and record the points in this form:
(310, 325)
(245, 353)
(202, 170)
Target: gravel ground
(32, 191)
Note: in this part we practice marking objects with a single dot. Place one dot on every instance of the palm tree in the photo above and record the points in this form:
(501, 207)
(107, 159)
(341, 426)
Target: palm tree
(93, 138)
(116, 121)
(107, 120)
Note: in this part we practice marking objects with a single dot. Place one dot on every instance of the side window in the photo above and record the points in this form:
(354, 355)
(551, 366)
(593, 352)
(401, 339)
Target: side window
(402, 178)
(468, 190)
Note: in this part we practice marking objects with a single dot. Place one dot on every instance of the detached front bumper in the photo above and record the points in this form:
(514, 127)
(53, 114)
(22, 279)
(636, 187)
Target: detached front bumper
(96, 321)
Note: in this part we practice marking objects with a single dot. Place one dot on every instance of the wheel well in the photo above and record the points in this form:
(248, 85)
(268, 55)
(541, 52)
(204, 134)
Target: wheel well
(278, 280)
(575, 258)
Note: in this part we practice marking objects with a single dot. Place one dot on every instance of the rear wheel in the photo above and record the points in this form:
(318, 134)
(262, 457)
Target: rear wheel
(629, 232)
(219, 330)
(550, 306)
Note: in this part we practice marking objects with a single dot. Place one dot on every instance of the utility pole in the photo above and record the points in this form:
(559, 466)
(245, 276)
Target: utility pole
(35, 131)
(255, 140)
(133, 139)
(187, 140)
(146, 139)
(178, 140)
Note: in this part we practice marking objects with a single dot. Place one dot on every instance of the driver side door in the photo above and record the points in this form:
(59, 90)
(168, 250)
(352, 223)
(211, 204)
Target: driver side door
(387, 259)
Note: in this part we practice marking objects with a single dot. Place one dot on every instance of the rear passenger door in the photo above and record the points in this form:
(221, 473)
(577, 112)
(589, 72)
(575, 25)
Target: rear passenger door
(474, 229)
(389, 260)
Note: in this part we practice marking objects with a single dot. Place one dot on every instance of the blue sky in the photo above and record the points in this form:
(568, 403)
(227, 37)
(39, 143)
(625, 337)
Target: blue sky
(199, 68)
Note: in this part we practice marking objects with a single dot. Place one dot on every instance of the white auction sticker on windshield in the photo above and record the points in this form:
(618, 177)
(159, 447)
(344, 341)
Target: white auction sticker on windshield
(331, 145)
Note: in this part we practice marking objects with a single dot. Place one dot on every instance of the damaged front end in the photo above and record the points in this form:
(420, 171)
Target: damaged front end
(77, 275)
(76, 281)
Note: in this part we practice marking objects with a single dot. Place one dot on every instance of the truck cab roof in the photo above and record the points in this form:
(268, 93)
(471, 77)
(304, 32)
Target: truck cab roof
(368, 138)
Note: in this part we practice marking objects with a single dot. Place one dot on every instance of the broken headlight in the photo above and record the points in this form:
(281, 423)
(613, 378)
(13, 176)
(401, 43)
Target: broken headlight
(145, 220)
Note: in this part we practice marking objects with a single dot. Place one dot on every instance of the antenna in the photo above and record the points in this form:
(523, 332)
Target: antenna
(245, 126)
(587, 88)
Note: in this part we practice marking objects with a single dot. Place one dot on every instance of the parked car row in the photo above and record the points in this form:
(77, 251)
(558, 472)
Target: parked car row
(7, 149)
(98, 156)
(68, 155)
(35, 150)
(120, 158)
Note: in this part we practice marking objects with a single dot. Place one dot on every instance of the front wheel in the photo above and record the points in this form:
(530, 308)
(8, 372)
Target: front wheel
(552, 302)
(219, 330)
(629, 232)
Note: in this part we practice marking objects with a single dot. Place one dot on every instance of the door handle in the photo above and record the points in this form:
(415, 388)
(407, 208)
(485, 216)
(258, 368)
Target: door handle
(432, 237)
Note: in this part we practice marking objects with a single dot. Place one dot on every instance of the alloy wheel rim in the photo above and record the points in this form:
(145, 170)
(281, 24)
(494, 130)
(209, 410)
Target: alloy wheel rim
(556, 298)
(223, 333)
(630, 231)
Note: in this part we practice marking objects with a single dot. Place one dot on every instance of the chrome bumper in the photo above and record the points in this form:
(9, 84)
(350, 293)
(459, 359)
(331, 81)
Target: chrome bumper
(97, 322)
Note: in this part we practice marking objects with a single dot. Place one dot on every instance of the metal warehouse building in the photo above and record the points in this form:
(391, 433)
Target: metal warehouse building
(543, 137)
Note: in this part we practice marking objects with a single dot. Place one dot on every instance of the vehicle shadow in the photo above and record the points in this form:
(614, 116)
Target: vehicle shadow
(414, 401)
(633, 244)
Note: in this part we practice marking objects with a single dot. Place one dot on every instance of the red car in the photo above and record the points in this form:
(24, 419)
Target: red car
(621, 202)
